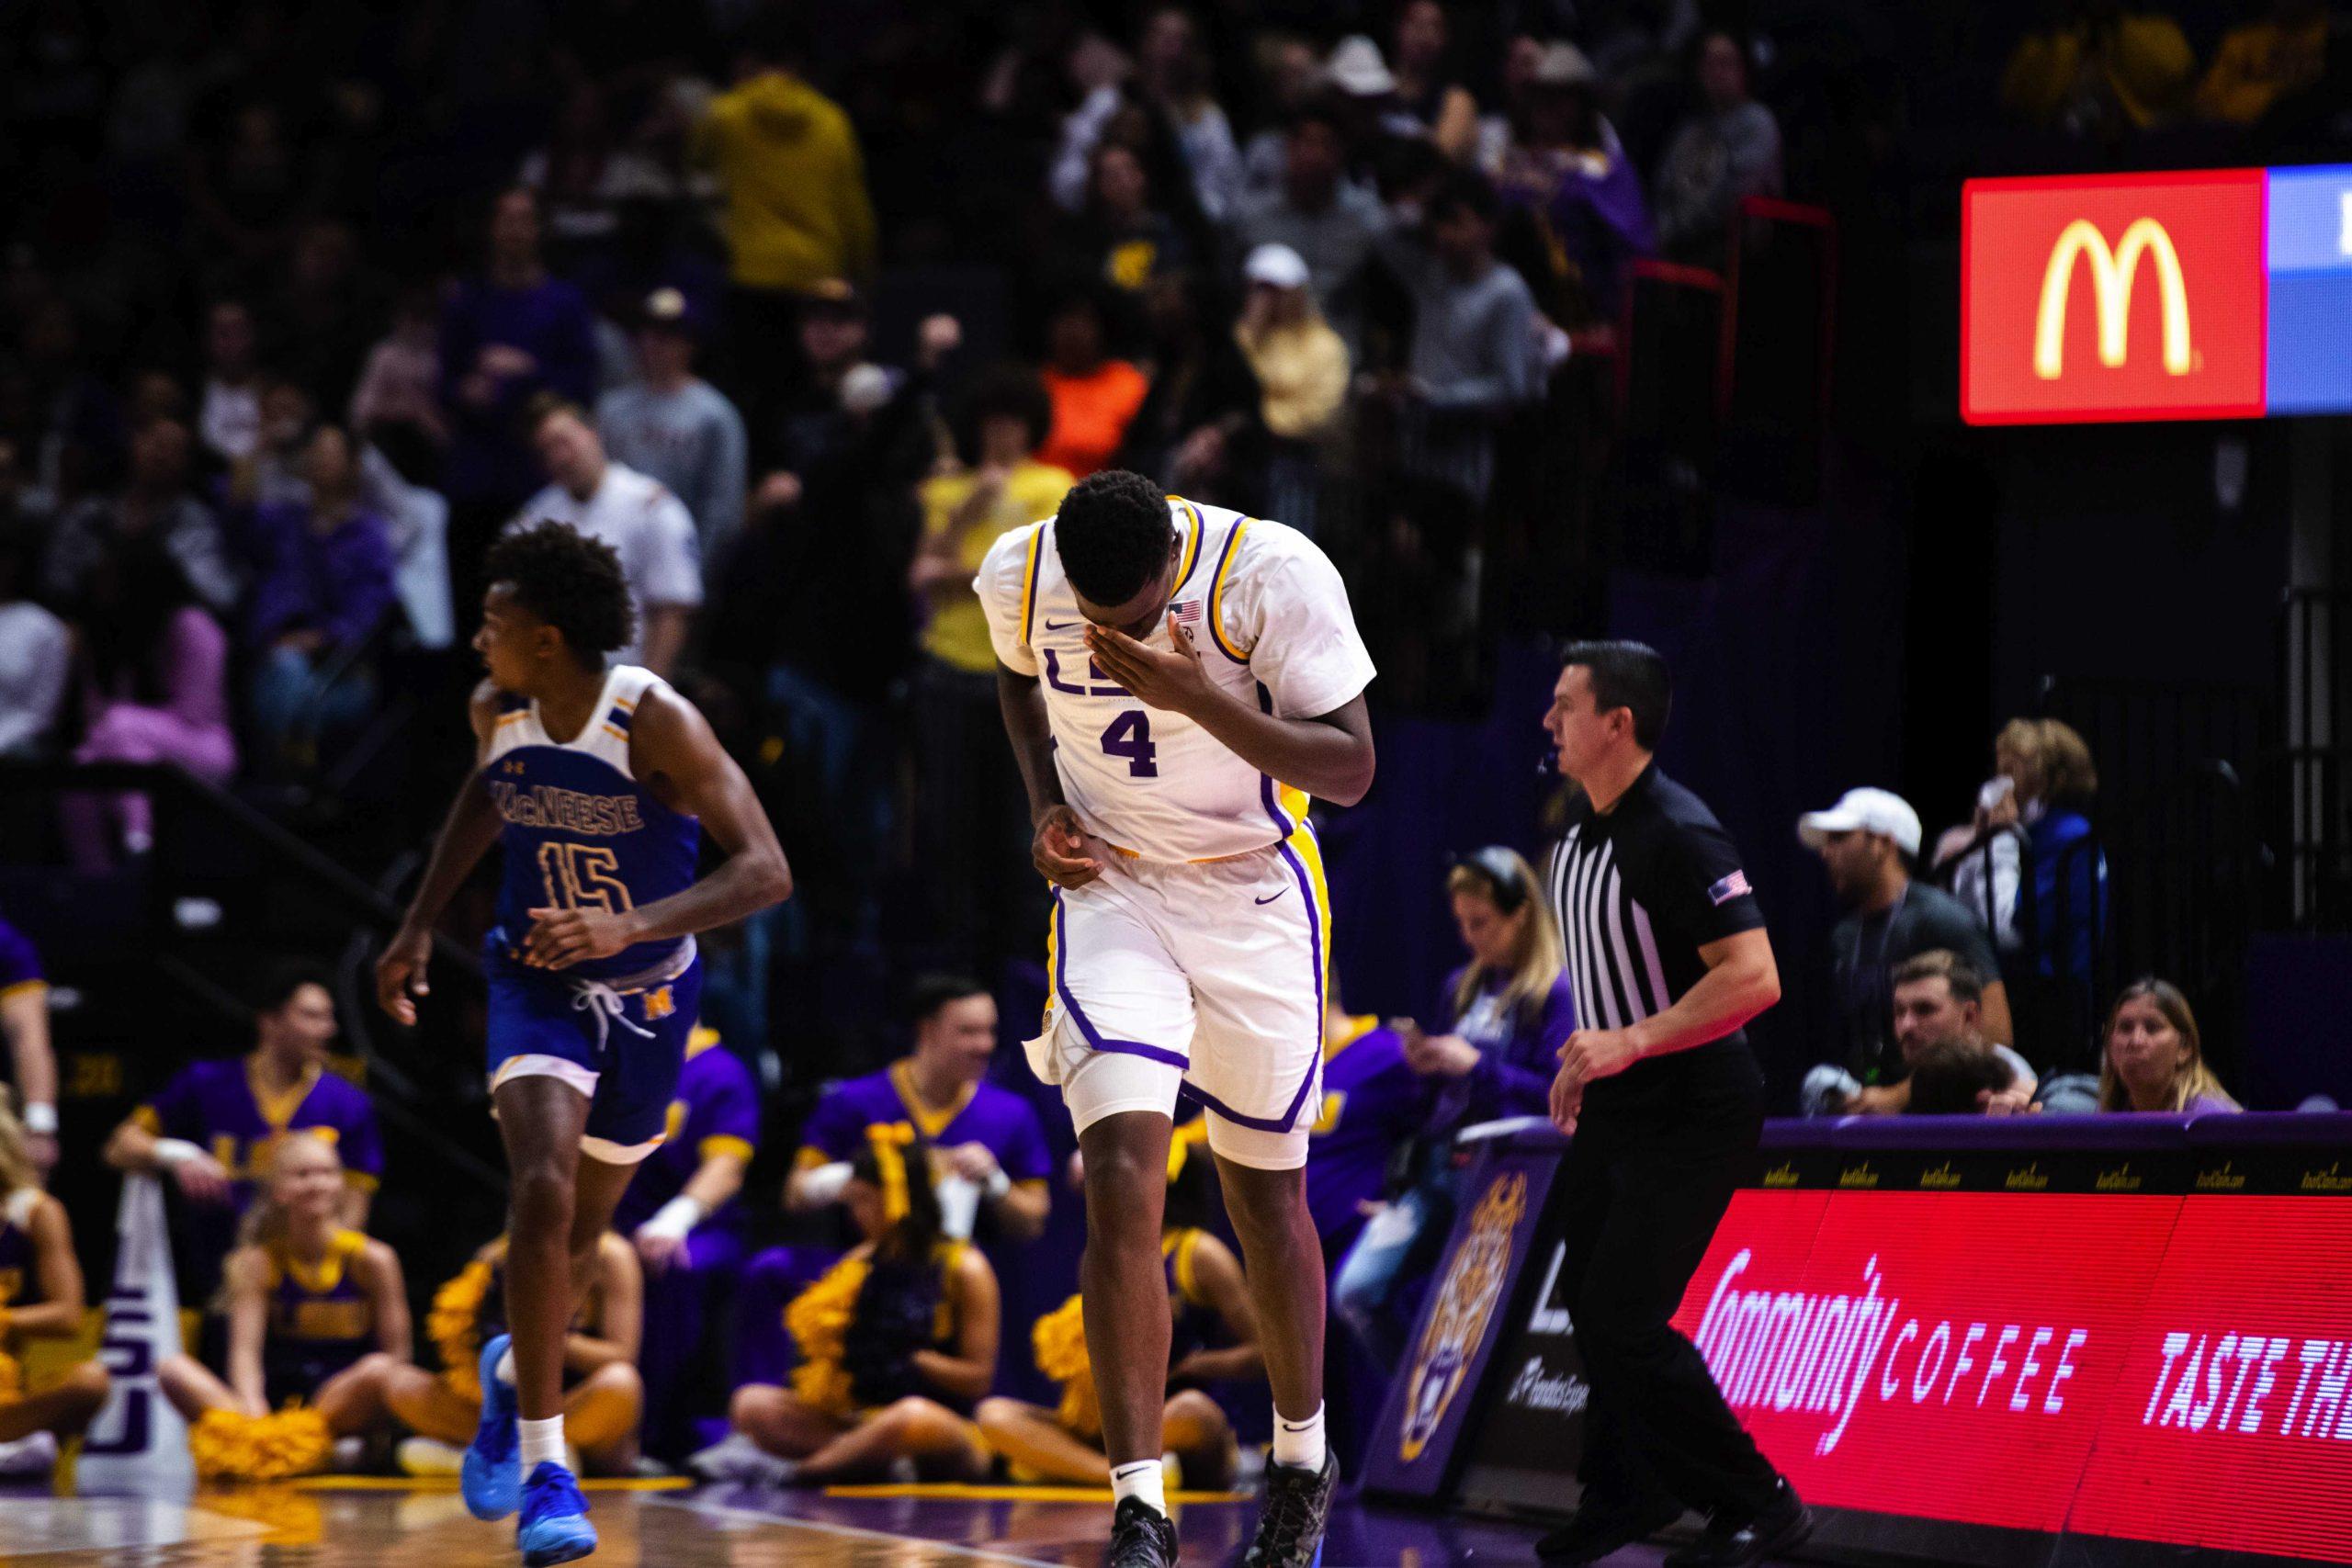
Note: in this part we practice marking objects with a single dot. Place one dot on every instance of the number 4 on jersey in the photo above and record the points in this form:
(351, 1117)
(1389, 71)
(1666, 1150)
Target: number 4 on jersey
(1130, 736)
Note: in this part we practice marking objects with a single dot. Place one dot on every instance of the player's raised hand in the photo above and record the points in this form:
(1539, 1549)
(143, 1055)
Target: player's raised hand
(560, 938)
(1172, 681)
(400, 973)
(1063, 851)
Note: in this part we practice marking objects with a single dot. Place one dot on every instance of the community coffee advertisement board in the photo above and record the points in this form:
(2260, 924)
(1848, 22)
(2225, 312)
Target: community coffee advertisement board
(1970, 1373)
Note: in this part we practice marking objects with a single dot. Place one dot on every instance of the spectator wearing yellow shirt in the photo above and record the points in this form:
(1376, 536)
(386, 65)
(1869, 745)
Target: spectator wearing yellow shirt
(796, 212)
(2263, 62)
(1302, 369)
(2098, 71)
(970, 813)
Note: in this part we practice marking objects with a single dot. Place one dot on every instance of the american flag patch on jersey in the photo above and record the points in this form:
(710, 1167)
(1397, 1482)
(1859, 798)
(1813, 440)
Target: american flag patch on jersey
(1187, 612)
(1730, 887)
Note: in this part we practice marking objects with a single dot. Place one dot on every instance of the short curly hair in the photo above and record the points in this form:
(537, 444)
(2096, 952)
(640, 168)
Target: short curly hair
(571, 582)
(1112, 532)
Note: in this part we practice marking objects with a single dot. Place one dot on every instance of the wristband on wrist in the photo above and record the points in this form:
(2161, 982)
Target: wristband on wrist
(40, 1117)
(172, 1150)
(998, 1184)
(674, 1218)
(824, 1184)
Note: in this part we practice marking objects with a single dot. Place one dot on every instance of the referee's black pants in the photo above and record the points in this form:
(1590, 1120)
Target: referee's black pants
(1645, 1194)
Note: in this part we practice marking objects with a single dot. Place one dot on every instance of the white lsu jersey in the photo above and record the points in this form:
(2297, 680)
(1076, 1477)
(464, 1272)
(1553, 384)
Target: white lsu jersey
(1269, 616)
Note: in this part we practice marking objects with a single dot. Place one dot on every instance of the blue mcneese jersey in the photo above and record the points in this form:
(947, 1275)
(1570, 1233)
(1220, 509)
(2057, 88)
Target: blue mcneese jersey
(581, 831)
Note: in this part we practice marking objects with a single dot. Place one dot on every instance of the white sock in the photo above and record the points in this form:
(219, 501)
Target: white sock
(1142, 1478)
(504, 1371)
(542, 1442)
(1299, 1443)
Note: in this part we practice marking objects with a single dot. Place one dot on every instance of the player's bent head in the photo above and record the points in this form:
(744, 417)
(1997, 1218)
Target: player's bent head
(553, 591)
(1630, 675)
(1118, 548)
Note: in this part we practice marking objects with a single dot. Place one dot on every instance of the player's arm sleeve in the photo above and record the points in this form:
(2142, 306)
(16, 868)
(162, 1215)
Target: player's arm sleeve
(731, 1122)
(676, 577)
(1305, 644)
(1705, 892)
(1004, 585)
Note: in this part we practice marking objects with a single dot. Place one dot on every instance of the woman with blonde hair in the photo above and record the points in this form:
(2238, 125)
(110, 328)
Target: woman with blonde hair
(2155, 1059)
(317, 1318)
(1505, 1015)
(41, 1297)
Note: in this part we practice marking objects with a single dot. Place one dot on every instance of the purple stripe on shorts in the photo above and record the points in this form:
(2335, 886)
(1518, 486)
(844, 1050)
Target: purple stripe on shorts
(1095, 1038)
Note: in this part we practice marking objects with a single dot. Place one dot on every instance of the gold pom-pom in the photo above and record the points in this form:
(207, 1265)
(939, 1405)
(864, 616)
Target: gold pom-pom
(1059, 1338)
(454, 1325)
(230, 1446)
(818, 1320)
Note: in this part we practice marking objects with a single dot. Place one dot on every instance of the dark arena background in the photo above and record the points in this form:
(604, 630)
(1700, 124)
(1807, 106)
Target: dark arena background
(1953, 394)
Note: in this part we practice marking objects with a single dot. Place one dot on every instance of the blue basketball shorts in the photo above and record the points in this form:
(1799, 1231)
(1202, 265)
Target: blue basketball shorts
(621, 1041)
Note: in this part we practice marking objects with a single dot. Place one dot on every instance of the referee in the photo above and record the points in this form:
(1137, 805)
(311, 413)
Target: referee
(1667, 955)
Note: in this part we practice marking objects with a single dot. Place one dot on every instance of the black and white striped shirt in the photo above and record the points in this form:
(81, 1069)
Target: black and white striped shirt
(1638, 891)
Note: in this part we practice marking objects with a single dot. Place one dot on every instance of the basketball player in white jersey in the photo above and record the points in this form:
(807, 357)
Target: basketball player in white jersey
(1177, 681)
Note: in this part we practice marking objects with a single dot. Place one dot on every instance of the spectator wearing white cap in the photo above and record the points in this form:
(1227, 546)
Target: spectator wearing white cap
(1302, 369)
(674, 426)
(1368, 92)
(1867, 840)
(1317, 212)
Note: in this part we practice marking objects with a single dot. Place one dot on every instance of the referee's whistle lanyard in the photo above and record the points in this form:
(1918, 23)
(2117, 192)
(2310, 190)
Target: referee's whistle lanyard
(1885, 991)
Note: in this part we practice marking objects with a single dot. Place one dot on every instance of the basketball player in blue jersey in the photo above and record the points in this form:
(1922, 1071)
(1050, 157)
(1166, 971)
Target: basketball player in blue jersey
(600, 782)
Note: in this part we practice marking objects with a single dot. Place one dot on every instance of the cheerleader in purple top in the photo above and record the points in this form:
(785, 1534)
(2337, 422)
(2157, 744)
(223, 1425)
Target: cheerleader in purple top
(41, 1297)
(317, 1311)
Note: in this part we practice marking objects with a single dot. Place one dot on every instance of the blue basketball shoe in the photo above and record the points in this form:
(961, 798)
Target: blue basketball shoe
(554, 1526)
(491, 1476)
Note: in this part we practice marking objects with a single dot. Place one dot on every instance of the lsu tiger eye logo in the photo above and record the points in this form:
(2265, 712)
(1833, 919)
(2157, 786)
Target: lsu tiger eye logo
(1466, 1300)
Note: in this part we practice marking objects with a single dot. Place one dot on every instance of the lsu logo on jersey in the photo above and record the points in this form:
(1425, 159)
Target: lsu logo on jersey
(659, 1004)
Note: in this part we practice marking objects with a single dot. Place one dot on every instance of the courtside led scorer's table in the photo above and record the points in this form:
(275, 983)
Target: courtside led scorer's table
(2038, 1341)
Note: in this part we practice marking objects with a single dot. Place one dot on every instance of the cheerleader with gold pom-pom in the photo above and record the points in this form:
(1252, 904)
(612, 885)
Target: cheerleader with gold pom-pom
(1213, 1339)
(41, 1297)
(318, 1320)
(897, 1342)
(604, 1397)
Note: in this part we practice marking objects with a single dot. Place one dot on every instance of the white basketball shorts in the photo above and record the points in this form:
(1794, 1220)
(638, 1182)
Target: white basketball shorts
(1207, 977)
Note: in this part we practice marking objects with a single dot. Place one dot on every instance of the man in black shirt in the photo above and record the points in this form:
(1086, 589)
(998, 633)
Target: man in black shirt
(1867, 841)
(1666, 951)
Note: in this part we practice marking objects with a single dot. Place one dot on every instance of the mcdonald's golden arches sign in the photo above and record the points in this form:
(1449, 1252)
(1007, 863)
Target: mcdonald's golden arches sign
(2117, 297)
